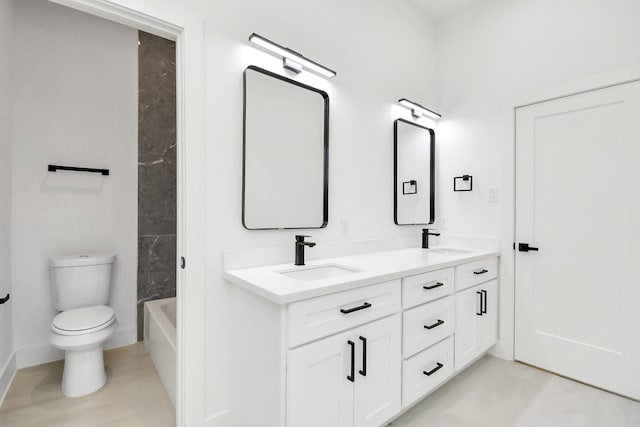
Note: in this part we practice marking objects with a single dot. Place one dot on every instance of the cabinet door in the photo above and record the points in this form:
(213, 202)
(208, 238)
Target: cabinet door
(476, 322)
(468, 315)
(377, 395)
(488, 329)
(319, 394)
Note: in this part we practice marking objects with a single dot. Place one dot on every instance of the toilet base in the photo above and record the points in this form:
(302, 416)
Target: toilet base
(83, 360)
(83, 372)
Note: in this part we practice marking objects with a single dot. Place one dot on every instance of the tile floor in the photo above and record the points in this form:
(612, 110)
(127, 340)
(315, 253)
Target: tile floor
(497, 393)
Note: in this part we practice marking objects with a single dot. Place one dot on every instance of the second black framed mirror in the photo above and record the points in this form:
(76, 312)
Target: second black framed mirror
(414, 173)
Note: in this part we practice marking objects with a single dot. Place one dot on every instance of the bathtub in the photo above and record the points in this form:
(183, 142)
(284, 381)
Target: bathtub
(160, 340)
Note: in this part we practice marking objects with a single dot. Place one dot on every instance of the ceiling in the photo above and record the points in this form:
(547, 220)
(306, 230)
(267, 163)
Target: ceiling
(441, 9)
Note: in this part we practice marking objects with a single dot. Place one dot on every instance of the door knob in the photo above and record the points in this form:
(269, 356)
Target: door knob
(524, 247)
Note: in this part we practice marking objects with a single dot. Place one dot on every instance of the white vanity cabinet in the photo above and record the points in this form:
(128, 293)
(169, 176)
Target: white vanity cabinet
(476, 322)
(349, 379)
(361, 354)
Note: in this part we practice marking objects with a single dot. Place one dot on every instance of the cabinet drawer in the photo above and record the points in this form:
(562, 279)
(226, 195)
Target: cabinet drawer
(473, 273)
(318, 317)
(436, 361)
(426, 287)
(425, 325)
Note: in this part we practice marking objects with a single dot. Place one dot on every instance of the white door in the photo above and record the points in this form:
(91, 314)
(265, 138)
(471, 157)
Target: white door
(578, 201)
(319, 394)
(378, 387)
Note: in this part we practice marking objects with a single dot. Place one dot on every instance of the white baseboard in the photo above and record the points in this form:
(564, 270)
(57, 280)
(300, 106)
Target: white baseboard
(221, 419)
(46, 353)
(6, 376)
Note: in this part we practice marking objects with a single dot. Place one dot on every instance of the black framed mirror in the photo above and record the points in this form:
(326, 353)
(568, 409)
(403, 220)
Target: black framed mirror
(285, 181)
(414, 173)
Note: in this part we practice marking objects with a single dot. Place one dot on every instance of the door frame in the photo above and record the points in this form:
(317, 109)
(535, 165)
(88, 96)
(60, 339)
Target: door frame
(172, 21)
(508, 268)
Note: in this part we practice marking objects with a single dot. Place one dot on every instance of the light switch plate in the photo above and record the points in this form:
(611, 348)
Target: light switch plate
(493, 194)
(344, 227)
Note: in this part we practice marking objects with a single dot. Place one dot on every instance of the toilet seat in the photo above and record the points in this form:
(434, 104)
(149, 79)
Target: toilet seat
(82, 321)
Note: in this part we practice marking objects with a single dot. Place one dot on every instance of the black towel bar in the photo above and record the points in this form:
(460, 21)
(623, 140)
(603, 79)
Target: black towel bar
(54, 168)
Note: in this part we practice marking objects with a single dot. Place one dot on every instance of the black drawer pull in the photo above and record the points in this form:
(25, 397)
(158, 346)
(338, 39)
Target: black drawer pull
(352, 377)
(434, 370)
(363, 371)
(351, 310)
(481, 271)
(484, 298)
(481, 298)
(438, 323)
(437, 285)
(5, 299)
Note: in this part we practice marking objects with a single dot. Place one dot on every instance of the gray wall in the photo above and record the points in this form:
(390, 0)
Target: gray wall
(156, 170)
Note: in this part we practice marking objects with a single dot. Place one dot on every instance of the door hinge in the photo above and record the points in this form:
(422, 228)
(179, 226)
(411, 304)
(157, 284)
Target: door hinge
(183, 262)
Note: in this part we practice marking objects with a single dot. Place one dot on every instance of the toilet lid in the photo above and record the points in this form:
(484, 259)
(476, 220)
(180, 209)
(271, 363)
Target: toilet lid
(84, 319)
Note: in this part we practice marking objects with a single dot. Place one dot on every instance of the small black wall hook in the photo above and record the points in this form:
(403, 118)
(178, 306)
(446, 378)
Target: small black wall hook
(5, 299)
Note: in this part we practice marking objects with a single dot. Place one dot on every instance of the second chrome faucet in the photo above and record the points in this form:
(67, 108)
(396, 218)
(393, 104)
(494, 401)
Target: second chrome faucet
(300, 244)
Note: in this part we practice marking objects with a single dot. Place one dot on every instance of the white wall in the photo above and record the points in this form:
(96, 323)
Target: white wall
(382, 51)
(502, 53)
(75, 104)
(6, 333)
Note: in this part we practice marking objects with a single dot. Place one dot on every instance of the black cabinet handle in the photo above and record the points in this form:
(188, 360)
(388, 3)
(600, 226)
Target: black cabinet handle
(351, 310)
(352, 377)
(438, 323)
(437, 285)
(481, 271)
(363, 371)
(434, 370)
(5, 299)
(484, 298)
(481, 298)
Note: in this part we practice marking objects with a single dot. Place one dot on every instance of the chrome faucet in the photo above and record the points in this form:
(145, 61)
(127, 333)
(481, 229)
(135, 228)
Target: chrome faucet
(300, 244)
(425, 237)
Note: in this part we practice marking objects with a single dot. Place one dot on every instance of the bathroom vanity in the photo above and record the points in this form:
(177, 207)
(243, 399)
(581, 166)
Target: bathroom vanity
(356, 340)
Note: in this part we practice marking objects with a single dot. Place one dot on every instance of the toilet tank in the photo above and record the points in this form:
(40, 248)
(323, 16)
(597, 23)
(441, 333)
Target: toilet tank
(81, 280)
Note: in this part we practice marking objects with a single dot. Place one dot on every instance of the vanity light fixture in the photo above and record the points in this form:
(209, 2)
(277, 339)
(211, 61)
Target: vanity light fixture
(418, 110)
(291, 60)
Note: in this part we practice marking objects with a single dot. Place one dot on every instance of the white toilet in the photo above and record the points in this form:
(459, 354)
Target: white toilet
(80, 288)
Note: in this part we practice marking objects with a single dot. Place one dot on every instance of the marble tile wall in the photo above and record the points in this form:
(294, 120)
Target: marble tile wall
(156, 170)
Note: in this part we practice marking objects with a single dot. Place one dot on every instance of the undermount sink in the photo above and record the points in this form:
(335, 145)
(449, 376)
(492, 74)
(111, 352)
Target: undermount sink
(449, 251)
(318, 272)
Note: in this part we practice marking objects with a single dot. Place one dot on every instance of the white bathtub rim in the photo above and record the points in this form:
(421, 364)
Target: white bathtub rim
(162, 320)
(160, 341)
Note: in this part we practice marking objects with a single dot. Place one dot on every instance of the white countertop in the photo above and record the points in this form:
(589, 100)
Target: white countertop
(375, 267)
